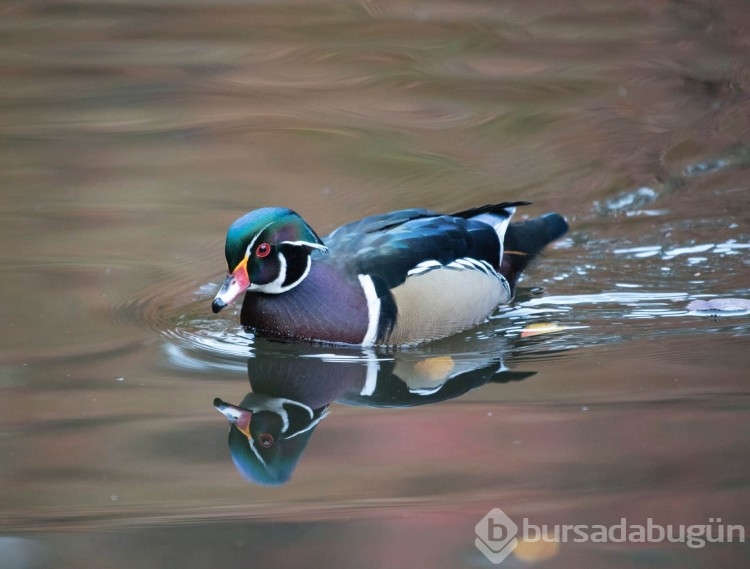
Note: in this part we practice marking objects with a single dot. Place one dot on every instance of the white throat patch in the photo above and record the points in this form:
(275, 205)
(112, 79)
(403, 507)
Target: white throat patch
(276, 286)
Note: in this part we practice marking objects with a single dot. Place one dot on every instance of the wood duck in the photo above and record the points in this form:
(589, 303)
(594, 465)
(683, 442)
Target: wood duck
(293, 386)
(399, 278)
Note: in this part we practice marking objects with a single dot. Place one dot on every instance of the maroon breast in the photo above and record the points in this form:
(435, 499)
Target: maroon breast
(325, 306)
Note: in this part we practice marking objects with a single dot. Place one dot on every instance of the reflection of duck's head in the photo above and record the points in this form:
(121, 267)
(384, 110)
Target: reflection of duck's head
(293, 385)
(268, 435)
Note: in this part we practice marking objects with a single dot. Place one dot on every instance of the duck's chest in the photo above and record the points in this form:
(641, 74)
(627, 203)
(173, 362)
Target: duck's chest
(325, 306)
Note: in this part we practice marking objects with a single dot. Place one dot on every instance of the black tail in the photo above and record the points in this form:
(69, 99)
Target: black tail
(524, 240)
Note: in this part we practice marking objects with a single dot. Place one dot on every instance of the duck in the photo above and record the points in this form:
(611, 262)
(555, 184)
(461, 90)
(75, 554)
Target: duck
(396, 279)
(293, 387)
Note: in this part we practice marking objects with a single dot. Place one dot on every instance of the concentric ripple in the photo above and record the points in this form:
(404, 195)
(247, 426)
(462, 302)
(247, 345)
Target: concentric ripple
(42, 327)
(178, 311)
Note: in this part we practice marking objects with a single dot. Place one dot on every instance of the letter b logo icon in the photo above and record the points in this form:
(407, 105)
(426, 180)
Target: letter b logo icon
(496, 535)
(495, 531)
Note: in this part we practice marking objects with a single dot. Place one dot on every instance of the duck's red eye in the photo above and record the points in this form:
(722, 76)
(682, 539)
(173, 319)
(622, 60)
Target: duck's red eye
(265, 440)
(263, 250)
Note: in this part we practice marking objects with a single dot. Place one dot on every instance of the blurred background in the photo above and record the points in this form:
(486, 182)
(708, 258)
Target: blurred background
(132, 133)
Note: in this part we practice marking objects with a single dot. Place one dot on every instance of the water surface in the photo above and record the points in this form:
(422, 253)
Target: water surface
(133, 133)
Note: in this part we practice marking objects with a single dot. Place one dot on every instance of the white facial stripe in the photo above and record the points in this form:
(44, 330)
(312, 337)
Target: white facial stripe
(249, 250)
(373, 309)
(307, 244)
(256, 453)
(304, 274)
(322, 416)
(275, 285)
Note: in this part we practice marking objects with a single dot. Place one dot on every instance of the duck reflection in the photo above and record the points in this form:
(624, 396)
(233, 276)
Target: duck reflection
(293, 386)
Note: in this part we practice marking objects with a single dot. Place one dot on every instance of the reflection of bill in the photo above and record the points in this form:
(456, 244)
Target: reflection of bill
(293, 386)
(496, 535)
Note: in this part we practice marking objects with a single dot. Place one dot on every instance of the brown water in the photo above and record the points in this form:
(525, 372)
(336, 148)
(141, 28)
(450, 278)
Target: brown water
(133, 133)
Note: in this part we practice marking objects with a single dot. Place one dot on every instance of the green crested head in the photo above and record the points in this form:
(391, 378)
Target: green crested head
(271, 225)
(267, 250)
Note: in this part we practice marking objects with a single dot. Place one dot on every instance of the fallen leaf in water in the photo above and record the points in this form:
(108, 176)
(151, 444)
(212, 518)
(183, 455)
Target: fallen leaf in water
(720, 307)
(541, 328)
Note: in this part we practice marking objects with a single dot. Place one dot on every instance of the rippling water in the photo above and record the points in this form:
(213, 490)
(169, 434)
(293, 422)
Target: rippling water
(132, 134)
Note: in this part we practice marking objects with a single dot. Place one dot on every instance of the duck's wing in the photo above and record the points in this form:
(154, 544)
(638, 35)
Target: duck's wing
(392, 250)
(346, 236)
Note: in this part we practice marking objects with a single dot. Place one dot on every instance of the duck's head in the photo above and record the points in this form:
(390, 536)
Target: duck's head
(268, 435)
(268, 250)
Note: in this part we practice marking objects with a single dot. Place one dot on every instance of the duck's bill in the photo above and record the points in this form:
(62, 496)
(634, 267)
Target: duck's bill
(238, 416)
(235, 284)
